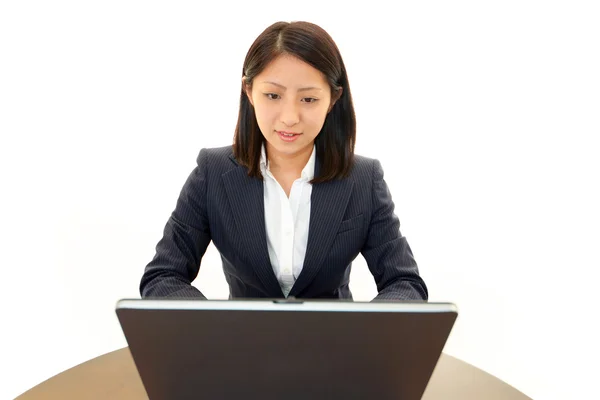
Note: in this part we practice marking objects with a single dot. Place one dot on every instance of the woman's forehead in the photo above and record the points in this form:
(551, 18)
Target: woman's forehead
(291, 72)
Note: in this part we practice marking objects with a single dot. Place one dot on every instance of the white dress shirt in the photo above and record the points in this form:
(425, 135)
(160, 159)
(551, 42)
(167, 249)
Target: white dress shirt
(287, 221)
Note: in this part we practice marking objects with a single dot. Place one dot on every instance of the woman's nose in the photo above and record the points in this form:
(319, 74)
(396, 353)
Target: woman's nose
(290, 115)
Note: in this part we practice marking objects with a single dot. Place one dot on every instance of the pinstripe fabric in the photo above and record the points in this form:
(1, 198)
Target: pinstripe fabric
(219, 202)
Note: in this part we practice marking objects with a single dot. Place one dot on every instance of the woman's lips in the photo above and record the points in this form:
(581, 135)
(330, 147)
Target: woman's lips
(288, 136)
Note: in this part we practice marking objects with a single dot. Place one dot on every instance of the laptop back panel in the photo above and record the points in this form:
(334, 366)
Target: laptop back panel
(271, 350)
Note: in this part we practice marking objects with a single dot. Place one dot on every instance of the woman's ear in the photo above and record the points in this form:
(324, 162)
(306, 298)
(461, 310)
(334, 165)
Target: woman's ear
(335, 96)
(247, 89)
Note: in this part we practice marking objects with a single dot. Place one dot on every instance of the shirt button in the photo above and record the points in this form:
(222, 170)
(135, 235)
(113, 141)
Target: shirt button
(286, 271)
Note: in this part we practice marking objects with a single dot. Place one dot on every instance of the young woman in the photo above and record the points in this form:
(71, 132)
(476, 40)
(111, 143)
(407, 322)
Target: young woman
(288, 205)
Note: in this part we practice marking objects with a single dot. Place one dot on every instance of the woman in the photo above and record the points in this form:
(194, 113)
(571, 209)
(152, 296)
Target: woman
(288, 206)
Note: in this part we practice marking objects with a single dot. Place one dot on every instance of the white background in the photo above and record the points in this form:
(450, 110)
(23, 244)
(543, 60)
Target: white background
(485, 116)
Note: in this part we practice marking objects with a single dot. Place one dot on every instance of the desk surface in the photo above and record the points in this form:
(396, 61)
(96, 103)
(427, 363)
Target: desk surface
(114, 376)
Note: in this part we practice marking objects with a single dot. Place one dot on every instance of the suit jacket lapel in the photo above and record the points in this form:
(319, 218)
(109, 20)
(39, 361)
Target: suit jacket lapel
(246, 198)
(328, 204)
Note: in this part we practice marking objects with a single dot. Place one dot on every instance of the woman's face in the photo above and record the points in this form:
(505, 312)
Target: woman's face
(291, 100)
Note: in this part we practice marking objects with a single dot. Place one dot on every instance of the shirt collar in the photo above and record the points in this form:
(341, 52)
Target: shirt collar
(308, 172)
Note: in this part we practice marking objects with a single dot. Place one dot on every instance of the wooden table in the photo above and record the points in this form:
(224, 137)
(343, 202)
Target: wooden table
(114, 376)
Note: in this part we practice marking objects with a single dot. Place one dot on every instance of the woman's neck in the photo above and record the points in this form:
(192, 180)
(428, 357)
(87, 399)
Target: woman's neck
(288, 163)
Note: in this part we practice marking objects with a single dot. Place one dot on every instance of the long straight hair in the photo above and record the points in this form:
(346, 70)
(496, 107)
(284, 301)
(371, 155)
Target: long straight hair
(312, 44)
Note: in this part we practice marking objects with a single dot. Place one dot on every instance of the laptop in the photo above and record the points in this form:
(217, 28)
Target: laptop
(285, 349)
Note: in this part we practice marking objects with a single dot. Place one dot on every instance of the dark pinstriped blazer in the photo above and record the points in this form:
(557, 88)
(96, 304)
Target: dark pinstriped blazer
(220, 202)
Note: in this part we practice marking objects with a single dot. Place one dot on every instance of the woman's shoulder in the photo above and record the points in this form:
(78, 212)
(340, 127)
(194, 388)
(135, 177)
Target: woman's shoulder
(363, 160)
(223, 152)
(364, 167)
(216, 157)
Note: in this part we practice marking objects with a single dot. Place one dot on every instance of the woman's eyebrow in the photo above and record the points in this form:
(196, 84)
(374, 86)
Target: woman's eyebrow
(300, 90)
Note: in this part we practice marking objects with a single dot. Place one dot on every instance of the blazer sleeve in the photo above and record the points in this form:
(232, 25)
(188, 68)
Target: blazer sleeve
(387, 252)
(185, 238)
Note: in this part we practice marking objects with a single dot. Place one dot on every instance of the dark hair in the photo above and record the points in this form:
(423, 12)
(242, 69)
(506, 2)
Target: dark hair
(310, 43)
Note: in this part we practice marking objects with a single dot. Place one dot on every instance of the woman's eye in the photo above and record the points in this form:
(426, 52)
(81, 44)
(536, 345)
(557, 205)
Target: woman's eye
(274, 96)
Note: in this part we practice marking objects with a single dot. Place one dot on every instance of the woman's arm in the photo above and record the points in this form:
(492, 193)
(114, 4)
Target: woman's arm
(387, 252)
(185, 239)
